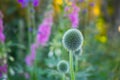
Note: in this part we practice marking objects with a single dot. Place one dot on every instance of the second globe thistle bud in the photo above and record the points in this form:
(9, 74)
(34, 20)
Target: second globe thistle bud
(63, 66)
(72, 40)
(78, 52)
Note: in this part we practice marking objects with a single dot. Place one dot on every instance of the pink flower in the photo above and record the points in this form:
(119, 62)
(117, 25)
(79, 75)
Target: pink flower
(1, 25)
(44, 31)
(31, 57)
(27, 75)
(74, 20)
(74, 15)
(3, 69)
(2, 36)
(29, 60)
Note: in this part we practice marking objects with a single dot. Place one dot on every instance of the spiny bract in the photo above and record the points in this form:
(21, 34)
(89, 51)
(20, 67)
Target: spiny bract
(78, 52)
(72, 39)
(63, 66)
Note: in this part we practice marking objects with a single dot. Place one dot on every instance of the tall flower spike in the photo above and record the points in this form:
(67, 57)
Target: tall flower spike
(25, 3)
(72, 39)
(44, 31)
(74, 15)
(63, 66)
(2, 36)
(3, 70)
(31, 57)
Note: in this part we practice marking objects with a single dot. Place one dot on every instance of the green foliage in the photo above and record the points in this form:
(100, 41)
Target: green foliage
(99, 61)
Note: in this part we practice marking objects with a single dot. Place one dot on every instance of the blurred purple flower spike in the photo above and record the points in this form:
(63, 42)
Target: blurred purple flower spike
(92, 4)
(74, 16)
(3, 69)
(31, 57)
(27, 76)
(35, 3)
(28, 60)
(25, 3)
(44, 31)
(81, 0)
(2, 36)
(84, 11)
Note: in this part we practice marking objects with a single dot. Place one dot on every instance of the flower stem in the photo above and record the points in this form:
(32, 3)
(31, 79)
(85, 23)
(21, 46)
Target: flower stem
(33, 20)
(71, 66)
(76, 64)
(63, 77)
(28, 25)
(86, 16)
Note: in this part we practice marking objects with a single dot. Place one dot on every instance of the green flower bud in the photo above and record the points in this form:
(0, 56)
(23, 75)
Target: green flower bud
(72, 39)
(63, 66)
(78, 52)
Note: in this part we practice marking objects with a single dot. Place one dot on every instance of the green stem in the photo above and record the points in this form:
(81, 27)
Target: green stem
(63, 77)
(71, 66)
(86, 16)
(29, 25)
(76, 64)
(33, 20)
(2, 45)
(20, 39)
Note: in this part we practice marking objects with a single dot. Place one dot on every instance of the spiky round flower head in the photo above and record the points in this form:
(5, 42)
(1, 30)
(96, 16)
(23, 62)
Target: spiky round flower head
(63, 66)
(78, 52)
(72, 39)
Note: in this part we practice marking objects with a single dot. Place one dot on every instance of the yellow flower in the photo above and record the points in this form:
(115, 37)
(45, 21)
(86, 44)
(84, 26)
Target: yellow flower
(102, 39)
(96, 10)
(58, 2)
(100, 25)
(57, 8)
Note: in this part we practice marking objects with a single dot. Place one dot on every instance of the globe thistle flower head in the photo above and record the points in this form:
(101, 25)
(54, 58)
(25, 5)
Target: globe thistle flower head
(72, 40)
(78, 52)
(63, 66)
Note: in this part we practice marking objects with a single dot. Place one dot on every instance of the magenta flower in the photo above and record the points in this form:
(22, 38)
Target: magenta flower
(28, 60)
(35, 3)
(2, 36)
(1, 25)
(31, 57)
(74, 15)
(3, 69)
(44, 31)
(27, 75)
(24, 3)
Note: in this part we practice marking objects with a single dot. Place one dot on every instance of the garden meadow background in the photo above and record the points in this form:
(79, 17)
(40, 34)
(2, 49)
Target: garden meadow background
(23, 21)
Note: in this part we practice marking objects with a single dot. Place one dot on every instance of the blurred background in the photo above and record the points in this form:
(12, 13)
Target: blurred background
(31, 33)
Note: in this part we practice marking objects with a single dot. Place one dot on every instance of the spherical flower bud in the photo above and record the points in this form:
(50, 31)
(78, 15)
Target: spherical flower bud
(72, 39)
(63, 66)
(78, 52)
